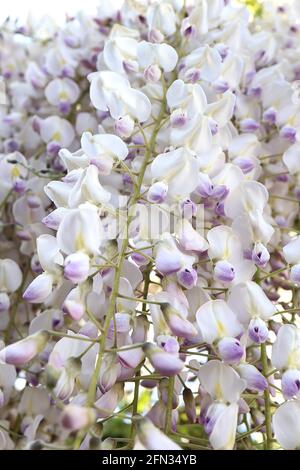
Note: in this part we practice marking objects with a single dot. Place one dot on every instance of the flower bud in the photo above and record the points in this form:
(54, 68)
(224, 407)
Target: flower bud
(178, 118)
(75, 417)
(205, 187)
(245, 164)
(224, 271)
(187, 277)
(130, 358)
(152, 73)
(255, 380)
(249, 125)
(157, 192)
(260, 255)
(39, 289)
(288, 133)
(33, 201)
(19, 185)
(290, 383)
(270, 116)
(155, 36)
(168, 343)
(230, 350)
(177, 324)
(189, 403)
(23, 351)
(77, 266)
(162, 361)
(124, 126)
(258, 331)
(4, 302)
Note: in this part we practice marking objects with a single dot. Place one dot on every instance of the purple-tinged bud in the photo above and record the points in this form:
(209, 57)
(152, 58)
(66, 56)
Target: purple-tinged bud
(75, 417)
(189, 32)
(295, 273)
(58, 165)
(290, 383)
(177, 324)
(189, 209)
(157, 193)
(258, 331)
(162, 361)
(178, 118)
(187, 277)
(4, 302)
(245, 164)
(141, 327)
(255, 380)
(270, 116)
(219, 209)
(64, 107)
(152, 73)
(124, 126)
(155, 36)
(297, 192)
(281, 221)
(254, 92)
(249, 125)
(23, 351)
(260, 255)
(24, 235)
(224, 271)
(222, 50)
(288, 133)
(19, 185)
(77, 266)
(168, 343)
(282, 178)
(130, 66)
(220, 192)
(220, 86)
(230, 350)
(33, 201)
(130, 358)
(11, 146)
(75, 309)
(36, 265)
(205, 187)
(53, 148)
(193, 76)
(53, 219)
(213, 126)
(247, 254)
(190, 405)
(39, 289)
(36, 124)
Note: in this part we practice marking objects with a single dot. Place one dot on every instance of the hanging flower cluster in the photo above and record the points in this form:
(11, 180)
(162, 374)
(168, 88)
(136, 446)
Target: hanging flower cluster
(149, 234)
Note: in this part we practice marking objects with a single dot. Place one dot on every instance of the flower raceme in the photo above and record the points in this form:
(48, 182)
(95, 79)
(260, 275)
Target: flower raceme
(150, 249)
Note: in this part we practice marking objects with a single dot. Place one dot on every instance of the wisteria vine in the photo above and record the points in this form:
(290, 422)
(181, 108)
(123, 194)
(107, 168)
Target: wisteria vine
(149, 228)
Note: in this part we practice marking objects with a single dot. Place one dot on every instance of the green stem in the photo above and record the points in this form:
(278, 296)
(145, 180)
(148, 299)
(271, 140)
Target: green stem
(114, 294)
(268, 415)
(168, 419)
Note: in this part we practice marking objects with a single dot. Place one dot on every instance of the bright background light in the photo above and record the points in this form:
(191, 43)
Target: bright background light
(57, 9)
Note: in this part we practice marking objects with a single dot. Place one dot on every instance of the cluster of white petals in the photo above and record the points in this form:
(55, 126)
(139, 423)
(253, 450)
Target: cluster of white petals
(150, 228)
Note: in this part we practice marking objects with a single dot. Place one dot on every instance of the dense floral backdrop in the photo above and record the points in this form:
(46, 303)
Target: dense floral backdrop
(149, 227)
